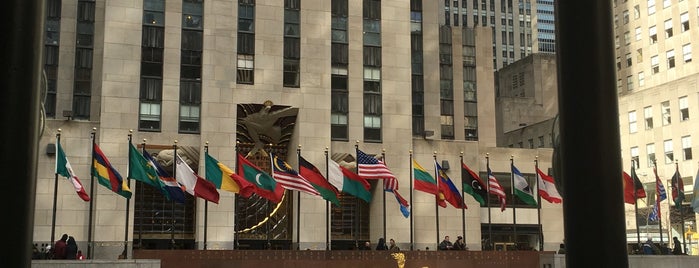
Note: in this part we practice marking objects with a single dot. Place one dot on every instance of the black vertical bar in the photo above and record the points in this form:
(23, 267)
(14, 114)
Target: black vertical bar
(90, 243)
(358, 212)
(680, 207)
(657, 202)
(206, 202)
(490, 244)
(538, 205)
(235, 203)
(22, 49)
(463, 210)
(172, 216)
(383, 156)
(436, 200)
(635, 202)
(412, 174)
(128, 206)
(514, 200)
(140, 225)
(587, 99)
(55, 192)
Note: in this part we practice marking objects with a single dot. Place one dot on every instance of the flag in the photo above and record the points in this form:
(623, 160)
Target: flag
(289, 178)
(448, 189)
(522, 189)
(628, 188)
(174, 190)
(311, 173)
(348, 182)
(220, 175)
(141, 170)
(391, 185)
(495, 188)
(106, 174)
(473, 185)
(263, 184)
(64, 169)
(659, 188)
(695, 199)
(640, 192)
(371, 168)
(677, 188)
(547, 187)
(654, 214)
(426, 183)
(194, 184)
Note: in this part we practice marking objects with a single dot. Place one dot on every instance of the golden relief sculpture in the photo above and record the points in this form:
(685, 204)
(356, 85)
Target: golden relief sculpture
(400, 259)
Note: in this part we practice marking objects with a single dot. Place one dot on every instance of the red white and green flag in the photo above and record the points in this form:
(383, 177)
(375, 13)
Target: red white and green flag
(348, 182)
(311, 173)
(64, 169)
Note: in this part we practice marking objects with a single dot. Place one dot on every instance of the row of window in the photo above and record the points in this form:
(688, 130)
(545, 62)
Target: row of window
(668, 152)
(666, 115)
(531, 144)
(654, 65)
(653, 31)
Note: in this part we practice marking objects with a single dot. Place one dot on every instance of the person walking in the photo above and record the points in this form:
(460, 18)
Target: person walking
(71, 249)
(59, 248)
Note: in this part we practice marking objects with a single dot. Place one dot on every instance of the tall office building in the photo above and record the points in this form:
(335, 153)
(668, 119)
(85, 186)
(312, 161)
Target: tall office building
(519, 28)
(656, 82)
(221, 77)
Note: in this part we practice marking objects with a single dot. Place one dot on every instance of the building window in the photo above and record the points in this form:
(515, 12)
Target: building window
(641, 79)
(636, 12)
(339, 105)
(684, 109)
(82, 84)
(666, 3)
(654, 64)
(619, 85)
(687, 148)
(245, 70)
(684, 22)
(670, 55)
(541, 141)
(687, 53)
(634, 156)
(190, 65)
(648, 115)
(632, 122)
(625, 16)
(152, 46)
(469, 85)
(638, 33)
(629, 62)
(51, 45)
(651, 7)
(650, 152)
(667, 148)
(653, 34)
(292, 43)
(668, 28)
(639, 55)
(446, 93)
(372, 70)
(665, 108)
(629, 82)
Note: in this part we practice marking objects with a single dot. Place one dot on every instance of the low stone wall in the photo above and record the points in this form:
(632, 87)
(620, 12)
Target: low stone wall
(646, 261)
(342, 259)
(136, 263)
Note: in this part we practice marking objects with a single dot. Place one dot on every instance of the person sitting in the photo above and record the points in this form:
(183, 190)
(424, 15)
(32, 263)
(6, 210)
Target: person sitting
(459, 243)
(382, 244)
(678, 246)
(392, 245)
(446, 244)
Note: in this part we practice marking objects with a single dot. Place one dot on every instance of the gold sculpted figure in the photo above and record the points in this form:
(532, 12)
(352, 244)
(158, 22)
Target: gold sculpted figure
(400, 259)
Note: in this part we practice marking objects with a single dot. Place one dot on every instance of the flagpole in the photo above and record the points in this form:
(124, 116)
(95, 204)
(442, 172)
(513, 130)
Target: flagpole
(206, 203)
(298, 203)
(271, 163)
(635, 201)
(92, 193)
(657, 200)
(174, 174)
(140, 226)
(359, 207)
(55, 191)
(436, 205)
(679, 206)
(490, 225)
(383, 156)
(538, 206)
(128, 206)
(463, 210)
(235, 208)
(327, 206)
(411, 198)
(512, 188)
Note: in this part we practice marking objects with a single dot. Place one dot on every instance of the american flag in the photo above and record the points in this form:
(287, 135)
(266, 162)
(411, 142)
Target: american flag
(285, 175)
(495, 188)
(371, 168)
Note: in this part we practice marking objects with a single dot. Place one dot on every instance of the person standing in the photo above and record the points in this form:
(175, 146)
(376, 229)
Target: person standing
(382, 244)
(71, 249)
(677, 250)
(366, 246)
(59, 248)
(459, 243)
(392, 245)
(446, 244)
